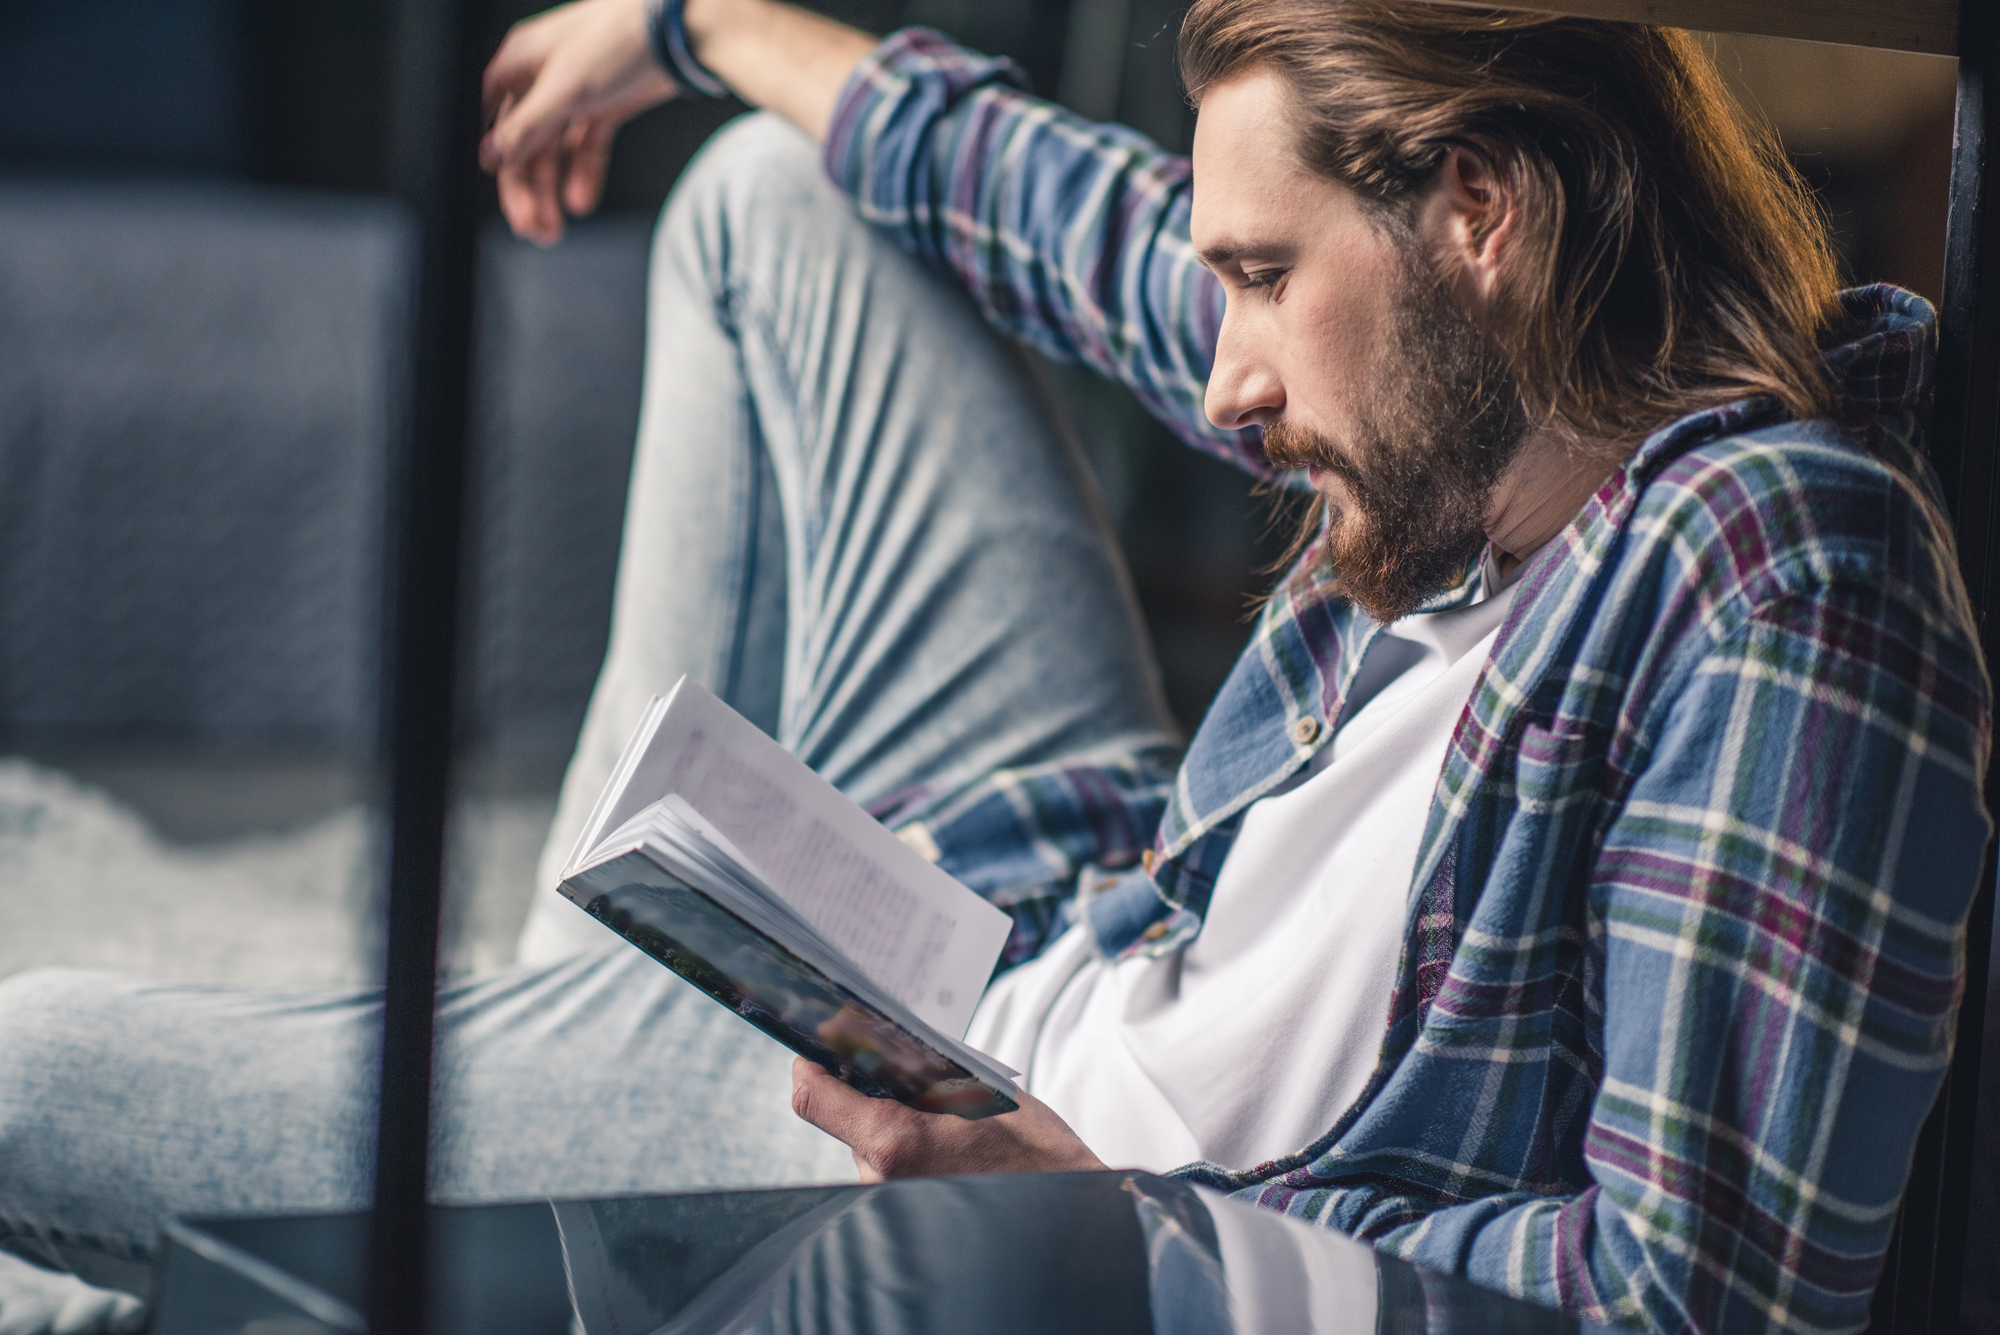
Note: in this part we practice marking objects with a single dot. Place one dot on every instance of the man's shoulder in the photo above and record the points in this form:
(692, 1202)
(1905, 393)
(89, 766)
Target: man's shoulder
(1796, 508)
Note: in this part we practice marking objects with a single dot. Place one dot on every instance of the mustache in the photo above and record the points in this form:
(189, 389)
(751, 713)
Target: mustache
(1290, 446)
(1293, 447)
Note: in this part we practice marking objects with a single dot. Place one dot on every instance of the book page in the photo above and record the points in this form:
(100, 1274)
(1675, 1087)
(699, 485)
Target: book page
(622, 797)
(922, 937)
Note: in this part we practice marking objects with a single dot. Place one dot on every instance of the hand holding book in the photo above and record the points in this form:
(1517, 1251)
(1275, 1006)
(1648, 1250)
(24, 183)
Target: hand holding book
(890, 1140)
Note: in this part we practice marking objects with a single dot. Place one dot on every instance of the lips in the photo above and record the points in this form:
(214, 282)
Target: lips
(1329, 484)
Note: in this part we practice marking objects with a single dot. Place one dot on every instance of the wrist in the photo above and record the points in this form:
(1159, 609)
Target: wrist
(775, 55)
(677, 35)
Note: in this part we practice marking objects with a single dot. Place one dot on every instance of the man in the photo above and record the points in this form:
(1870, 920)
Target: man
(1501, 287)
(1568, 886)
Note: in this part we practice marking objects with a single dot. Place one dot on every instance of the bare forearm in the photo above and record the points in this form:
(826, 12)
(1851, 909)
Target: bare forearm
(777, 56)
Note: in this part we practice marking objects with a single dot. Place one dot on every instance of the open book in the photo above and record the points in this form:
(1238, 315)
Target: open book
(721, 855)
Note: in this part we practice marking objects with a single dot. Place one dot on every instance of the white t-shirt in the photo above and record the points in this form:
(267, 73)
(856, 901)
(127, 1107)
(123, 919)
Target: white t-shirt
(1251, 1041)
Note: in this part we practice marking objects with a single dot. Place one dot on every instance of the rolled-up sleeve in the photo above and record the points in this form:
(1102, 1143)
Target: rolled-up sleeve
(1072, 236)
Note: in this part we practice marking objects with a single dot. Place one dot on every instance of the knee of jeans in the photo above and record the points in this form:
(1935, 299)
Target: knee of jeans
(39, 1012)
(755, 171)
(37, 998)
(42, 1013)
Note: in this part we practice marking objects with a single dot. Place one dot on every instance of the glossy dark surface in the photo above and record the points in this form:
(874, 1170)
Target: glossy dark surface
(1107, 1253)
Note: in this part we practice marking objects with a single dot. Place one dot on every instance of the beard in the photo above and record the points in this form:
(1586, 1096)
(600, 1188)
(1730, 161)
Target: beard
(1424, 462)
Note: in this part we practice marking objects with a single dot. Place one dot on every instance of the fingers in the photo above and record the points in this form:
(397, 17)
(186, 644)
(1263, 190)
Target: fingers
(566, 175)
(888, 1139)
(545, 156)
(832, 1105)
(490, 160)
(589, 161)
(528, 198)
(523, 150)
(589, 61)
(534, 123)
(554, 95)
(511, 70)
(545, 177)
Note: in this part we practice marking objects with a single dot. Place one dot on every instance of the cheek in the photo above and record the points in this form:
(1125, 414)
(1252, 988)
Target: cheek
(1344, 325)
(1346, 354)
(1330, 374)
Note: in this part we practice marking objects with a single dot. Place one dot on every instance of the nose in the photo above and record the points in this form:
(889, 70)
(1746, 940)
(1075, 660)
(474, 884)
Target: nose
(1243, 389)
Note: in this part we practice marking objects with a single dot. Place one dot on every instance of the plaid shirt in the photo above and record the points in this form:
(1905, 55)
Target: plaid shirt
(1687, 929)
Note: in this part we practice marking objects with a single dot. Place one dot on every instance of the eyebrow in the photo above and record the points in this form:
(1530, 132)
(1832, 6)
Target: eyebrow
(1232, 252)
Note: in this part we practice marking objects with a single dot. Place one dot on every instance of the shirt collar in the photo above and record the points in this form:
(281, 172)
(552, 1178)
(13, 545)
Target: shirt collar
(1881, 354)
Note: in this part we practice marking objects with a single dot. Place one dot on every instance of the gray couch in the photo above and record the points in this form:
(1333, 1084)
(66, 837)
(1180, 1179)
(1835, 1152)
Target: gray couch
(194, 396)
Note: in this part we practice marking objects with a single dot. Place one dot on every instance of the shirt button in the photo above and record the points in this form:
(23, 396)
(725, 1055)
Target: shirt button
(1147, 859)
(1304, 730)
(1154, 933)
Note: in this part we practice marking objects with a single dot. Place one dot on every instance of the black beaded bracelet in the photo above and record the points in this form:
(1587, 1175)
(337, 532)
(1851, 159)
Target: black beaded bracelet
(667, 26)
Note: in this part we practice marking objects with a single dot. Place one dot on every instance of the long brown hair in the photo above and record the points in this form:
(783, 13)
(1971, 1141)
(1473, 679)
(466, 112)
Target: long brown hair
(1671, 258)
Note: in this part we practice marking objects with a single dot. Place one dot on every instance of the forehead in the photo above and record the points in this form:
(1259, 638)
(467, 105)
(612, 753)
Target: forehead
(1248, 182)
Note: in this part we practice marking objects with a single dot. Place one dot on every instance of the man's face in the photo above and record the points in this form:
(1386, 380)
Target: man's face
(1343, 343)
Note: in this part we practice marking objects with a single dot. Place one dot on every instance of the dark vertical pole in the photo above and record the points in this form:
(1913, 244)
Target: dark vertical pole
(1922, 1282)
(436, 133)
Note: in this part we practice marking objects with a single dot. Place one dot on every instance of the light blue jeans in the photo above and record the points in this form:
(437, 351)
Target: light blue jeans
(853, 517)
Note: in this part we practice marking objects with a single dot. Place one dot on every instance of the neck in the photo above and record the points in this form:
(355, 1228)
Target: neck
(1550, 478)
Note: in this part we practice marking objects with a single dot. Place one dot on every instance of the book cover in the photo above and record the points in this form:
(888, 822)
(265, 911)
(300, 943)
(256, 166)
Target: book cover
(774, 989)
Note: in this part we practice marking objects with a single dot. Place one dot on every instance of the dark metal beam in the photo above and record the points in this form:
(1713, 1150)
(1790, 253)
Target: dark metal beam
(1921, 1285)
(436, 132)
(1929, 26)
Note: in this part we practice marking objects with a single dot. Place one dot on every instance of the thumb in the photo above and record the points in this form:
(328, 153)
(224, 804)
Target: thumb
(826, 1102)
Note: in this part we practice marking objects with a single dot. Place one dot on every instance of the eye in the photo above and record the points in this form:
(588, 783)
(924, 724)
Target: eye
(1267, 279)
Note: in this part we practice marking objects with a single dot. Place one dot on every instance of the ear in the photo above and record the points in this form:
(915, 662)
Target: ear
(1468, 222)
